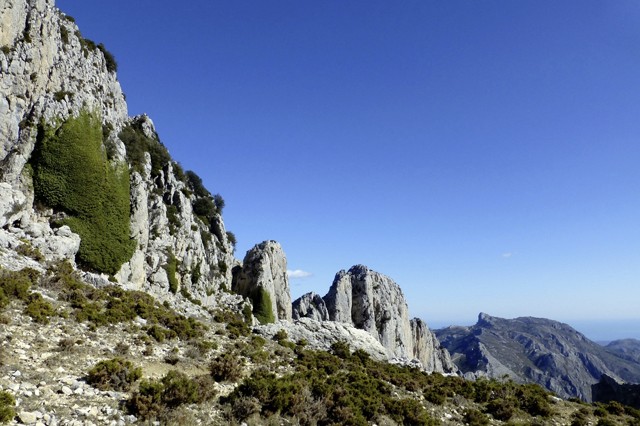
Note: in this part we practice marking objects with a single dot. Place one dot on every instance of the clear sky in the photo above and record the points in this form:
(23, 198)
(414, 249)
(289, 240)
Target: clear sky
(483, 154)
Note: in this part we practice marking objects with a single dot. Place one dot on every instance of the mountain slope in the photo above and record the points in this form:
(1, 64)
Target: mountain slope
(537, 350)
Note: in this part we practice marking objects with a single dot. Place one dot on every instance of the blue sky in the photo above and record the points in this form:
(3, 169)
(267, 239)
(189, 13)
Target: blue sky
(483, 154)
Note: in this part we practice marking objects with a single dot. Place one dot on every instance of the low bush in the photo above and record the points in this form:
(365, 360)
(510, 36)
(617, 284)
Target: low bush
(325, 389)
(39, 309)
(7, 407)
(226, 368)
(112, 304)
(114, 374)
(473, 417)
(173, 390)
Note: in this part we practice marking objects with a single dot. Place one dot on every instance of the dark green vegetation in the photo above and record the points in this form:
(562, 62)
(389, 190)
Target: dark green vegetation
(114, 374)
(16, 285)
(137, 144)
(262, 308)
(349, 388)
(155, 397)
(112, 305)
(171, 268)
(72, 175)
(7, 407)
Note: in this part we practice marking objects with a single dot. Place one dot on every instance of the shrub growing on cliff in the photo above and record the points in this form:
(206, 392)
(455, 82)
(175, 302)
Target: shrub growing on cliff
(137, 143)
(110, 60)
(171, 269)
(262, 308)
(72, 174)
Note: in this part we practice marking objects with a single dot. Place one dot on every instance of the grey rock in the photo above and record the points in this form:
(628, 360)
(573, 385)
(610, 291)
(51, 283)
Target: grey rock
(428, 350)
(27, 417)
(310, 305)
(320, 335)
(265, 268)
(373, 302)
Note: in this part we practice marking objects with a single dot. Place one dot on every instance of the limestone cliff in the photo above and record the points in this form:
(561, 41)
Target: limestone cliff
(373, 302)
(50, 74)
(263, 279)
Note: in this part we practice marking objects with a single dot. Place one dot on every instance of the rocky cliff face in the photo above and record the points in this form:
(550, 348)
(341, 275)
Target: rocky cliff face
(264, 272)
(537, 350)
(50, 73)
(370, 301)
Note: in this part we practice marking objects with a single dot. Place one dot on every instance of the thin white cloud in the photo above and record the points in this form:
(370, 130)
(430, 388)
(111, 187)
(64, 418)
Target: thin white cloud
(298, 274)
(507, 255)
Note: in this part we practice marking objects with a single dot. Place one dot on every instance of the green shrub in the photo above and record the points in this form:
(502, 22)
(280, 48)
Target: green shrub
(579, 418)
(204, 206)
(137, 143)
(64, 34)
(173, 390)
(226, 368)
(231, 237)
(341, 349)
(171, 268)
(195, 183)
(173, 219)
(72, 174)
(109, 59)
(26, 249)
(114, 374)
(219, 202)
(615, 408)
(7, 407)
(39, 309)
(16, 284)
(534, 400)
(473, 417)
(262, 308)
(501, 408)
(604, 421)
(61, 95)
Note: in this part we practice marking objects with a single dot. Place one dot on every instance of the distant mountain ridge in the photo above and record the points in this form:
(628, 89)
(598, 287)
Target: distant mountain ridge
(537, 350)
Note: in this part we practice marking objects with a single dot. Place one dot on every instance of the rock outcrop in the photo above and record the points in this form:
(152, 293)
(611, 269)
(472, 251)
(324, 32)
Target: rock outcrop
(370, 301)
(310, 305)
(49, 73)
(538, 350)
(264, 269)
(320, 335)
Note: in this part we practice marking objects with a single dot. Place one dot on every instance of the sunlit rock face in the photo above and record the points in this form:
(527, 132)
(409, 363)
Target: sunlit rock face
(265, 268)
(373, 302)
